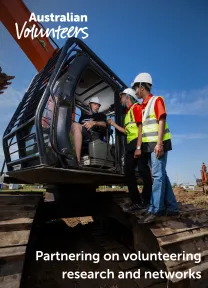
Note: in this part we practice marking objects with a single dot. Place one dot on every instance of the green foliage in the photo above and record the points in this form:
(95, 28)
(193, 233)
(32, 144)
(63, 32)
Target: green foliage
(174, 185)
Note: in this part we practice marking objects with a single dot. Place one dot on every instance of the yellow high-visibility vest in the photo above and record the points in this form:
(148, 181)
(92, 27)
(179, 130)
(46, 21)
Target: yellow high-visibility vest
(150, 124)
(131, 125)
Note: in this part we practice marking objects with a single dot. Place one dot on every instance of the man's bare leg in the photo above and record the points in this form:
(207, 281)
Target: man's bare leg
(76, 130)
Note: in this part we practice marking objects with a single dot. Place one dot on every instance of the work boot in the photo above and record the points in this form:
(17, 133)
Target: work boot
(79, 165)
(145, 209)
(149, 218)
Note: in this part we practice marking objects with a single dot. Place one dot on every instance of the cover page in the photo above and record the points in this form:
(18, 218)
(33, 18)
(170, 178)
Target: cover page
(103, 151)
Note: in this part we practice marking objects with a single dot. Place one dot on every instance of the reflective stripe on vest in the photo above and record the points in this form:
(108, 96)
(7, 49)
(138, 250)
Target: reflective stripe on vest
(130, 125)
(150, 124)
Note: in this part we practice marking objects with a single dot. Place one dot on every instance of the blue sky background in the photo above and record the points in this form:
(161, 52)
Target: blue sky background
(168, 39)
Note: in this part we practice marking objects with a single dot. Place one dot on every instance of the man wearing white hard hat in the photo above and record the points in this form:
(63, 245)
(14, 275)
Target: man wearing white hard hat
(156, 142)
(90, 124)
(132, 128)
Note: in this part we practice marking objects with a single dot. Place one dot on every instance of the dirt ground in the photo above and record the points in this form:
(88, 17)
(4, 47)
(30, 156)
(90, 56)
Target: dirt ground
(196, 198)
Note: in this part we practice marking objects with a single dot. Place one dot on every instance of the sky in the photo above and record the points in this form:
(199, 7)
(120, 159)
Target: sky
(168, 39)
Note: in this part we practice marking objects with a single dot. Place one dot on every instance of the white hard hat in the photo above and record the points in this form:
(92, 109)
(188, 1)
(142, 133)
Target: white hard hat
(142, 78)
(130, 92)
(94, 99)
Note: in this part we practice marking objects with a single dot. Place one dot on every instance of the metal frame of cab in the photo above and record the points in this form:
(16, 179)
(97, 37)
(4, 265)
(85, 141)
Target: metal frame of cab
(36, 98)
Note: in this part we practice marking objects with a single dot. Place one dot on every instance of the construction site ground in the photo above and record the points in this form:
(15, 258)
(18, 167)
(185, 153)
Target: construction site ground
(195, 197)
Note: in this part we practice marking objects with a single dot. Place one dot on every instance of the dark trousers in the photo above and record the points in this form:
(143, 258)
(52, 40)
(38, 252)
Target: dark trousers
(130, 164)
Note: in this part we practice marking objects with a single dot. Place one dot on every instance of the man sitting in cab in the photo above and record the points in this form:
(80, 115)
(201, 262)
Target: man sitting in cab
(91, 126)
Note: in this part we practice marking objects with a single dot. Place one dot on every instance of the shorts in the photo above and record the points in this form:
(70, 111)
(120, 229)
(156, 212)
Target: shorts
(86, 134)
(90, 135)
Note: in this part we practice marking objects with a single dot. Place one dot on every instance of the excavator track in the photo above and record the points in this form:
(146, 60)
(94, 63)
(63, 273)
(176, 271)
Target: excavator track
(23, 233)
(185, 233)
(17, 211)
(92, 238)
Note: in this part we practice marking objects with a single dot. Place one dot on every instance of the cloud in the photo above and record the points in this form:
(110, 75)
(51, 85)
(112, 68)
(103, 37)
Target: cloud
(179, 138)
(4, 65)
(11, 97)
(194, 102)
(9, 102)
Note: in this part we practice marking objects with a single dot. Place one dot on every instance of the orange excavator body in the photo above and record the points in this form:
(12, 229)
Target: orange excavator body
(204, 174)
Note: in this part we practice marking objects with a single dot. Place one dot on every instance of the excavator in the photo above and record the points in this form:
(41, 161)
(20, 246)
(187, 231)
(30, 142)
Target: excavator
(203, 181)
(38, 149)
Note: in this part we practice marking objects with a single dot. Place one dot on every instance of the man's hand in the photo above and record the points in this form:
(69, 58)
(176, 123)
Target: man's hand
(159, 151)
(110, 122)
(137, 153)
(119, 128)
(89, 124)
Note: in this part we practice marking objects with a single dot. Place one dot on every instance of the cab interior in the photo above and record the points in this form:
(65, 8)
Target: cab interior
(95, 153)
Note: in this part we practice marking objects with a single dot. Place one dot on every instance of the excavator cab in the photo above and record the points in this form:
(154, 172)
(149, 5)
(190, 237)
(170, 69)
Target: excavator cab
(96, 152)
(38, 141)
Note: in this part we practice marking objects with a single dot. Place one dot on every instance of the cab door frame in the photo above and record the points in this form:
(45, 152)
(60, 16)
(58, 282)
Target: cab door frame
(59, 131)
